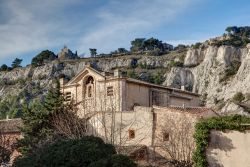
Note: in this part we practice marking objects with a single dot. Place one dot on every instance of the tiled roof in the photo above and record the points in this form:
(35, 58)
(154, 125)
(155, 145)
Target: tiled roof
(160, 86)
(190, 110)
(130, 150)
(10, 125)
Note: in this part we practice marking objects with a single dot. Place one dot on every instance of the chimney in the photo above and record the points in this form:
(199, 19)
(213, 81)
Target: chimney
(62, 82)
(182, 87)
(87, 64)
(117, 73)
(103, 73)
(7, 117)
(183, 106)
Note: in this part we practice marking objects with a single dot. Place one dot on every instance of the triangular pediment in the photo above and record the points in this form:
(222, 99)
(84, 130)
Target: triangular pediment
(86, 71)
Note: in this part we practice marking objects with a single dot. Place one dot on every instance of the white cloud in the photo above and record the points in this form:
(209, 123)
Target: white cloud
(125, 21)
(31, 25)
(28, 26)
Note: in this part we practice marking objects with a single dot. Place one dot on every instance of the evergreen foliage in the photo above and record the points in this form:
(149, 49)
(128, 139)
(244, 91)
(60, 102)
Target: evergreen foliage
(11, 107)
(93, 52)
(202, 131)
(4, 67)
(40, 59)
(16, 63)
(36, 118)
(238, 97)
(4, 154)
(151, 44)
(86, 152)
(132, 74)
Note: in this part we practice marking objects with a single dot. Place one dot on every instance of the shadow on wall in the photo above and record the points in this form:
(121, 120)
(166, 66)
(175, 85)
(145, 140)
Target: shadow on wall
(218, 142)
(183, 77)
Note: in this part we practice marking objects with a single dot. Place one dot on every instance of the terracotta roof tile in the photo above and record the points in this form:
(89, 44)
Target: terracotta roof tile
(10, 125)
(190, 110)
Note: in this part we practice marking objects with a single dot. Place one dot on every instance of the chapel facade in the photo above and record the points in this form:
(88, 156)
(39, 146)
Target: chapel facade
(96, 91)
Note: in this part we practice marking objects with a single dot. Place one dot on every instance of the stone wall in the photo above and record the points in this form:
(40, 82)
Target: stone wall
(230, 149)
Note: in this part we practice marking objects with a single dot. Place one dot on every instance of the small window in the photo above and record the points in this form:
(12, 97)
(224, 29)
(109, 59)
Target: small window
(165, 136)
(67, 96)
(131, 134)
(110, 91)
(89, 91)
(141, 155)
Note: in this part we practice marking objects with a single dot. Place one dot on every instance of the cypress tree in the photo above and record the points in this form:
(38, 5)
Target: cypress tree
(37, 128)
(54, 100)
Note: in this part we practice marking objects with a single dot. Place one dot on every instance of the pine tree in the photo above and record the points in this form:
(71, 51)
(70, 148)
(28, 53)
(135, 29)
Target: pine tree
(54, 100)
(16, 63)
(37, 129)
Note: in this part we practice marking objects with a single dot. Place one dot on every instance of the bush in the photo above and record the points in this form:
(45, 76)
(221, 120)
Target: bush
(133, 63)
(86, 152)
(230, 71)
(132, 74)
(45, 55)
(176, 64)
(238, 97)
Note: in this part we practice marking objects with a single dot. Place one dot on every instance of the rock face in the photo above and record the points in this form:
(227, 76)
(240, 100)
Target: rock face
(66, 54)
(193, 57)
(205, 71)
(211, 64)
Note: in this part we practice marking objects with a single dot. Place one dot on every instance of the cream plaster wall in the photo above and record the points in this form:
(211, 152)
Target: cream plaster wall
(229, 149)
(136, 95)
(140, 120)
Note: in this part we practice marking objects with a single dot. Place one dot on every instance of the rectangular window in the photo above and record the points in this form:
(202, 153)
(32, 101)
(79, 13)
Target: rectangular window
(110, 91)
(155, 98)
(141, 155)
(131, 134)
(68, 96)
(165, 136)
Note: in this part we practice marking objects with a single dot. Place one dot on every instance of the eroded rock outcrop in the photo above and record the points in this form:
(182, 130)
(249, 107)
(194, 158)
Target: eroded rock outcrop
(212, 75)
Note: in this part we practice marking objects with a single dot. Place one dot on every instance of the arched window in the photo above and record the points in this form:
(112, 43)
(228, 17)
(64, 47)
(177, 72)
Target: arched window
(90, 80)
(89, 87)
(90, 91)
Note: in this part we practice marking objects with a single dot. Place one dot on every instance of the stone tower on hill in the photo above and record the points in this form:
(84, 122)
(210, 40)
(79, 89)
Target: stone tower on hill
(66, 54)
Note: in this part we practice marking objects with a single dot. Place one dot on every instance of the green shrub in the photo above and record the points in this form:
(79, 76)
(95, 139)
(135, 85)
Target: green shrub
(230, 71)
(86, 152)
(132, 74)
(238, 97)
(196, 45)
(176, 64)
(133, 63)
(158, 78)
(143, 65)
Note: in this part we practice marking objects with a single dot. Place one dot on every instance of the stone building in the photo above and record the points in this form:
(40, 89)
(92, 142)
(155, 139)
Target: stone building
(100, 91)
(66, 54)
(130, 113)
(9, 134)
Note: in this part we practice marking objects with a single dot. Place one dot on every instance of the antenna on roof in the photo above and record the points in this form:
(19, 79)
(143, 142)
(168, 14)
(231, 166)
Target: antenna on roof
(183, 106)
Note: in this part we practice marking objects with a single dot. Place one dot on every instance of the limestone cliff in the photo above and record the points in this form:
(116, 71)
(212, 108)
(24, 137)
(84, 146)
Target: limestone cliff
(211, 72)
(217, 73)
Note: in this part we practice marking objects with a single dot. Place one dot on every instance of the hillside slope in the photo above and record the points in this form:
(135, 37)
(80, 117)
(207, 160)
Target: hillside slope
(217, 73)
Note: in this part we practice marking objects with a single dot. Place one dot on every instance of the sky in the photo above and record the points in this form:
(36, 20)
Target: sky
(28, 27)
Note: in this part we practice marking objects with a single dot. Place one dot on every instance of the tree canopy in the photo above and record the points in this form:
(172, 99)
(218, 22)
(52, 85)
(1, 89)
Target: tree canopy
(43, 56)
(88, 151)
(37, 121)
(151, 44)
(4, 67)
(16, 63)
(93, 52)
